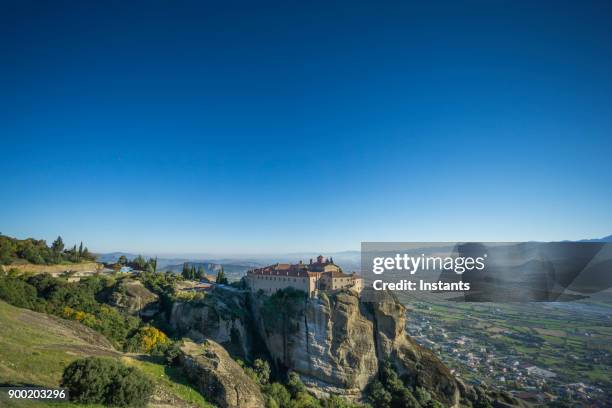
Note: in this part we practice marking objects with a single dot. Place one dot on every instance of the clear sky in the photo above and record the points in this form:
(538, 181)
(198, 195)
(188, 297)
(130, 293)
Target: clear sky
(248, 127)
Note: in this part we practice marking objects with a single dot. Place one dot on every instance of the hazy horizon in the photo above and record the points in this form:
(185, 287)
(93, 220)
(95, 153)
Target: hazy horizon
(250, 256)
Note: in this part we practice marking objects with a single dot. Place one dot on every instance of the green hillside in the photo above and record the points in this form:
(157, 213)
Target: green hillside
(35, 348)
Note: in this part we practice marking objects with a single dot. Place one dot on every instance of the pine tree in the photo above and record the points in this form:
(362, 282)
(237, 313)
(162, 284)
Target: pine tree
(57, 246)
(185, 272)
(140, 262)
(221, 279)
(81, 250)
(152, 265)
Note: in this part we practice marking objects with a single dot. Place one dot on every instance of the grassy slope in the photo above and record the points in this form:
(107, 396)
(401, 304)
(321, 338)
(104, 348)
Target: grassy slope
(35, 348)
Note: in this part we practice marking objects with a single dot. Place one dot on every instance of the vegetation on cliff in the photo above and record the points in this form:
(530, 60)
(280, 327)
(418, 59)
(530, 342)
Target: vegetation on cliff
(282, 307)
(390, 391)
(37, 251)
(289, 392)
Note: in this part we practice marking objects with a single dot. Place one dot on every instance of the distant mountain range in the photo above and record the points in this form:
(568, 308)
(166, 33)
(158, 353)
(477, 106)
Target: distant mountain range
(348, 260)
(604, 239)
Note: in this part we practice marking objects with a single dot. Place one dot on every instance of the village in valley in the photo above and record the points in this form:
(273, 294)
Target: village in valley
(540, 352)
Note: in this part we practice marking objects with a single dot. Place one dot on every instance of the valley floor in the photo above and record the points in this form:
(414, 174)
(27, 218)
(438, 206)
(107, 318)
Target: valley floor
(570, 344)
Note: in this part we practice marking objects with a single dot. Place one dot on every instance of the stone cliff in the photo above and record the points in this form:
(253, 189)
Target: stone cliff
(416, 364)
(337, 342)
(221, 316)
(132, 297)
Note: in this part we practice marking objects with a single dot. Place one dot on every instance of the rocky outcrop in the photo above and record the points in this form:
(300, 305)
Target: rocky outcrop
(416, 364)
(132, 297)
(329, 343)
(336, 343)
(221, 316)
(219, 378)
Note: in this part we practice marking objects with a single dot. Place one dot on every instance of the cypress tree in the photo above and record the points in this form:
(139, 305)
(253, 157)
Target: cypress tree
(221, 279)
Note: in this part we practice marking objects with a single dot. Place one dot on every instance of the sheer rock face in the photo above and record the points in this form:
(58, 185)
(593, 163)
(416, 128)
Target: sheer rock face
(219, 318)
(132, 297)
(413, 362)
(218, 376)
(330, 345)
(337, 343)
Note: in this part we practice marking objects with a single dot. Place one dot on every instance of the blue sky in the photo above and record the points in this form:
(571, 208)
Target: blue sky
(251, 127)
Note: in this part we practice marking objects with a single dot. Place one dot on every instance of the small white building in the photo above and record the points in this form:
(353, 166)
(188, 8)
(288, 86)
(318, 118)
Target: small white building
(540, 372)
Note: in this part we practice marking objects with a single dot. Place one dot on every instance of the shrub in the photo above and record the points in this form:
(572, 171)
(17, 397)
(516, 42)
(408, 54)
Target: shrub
(17, 292)
(262, 371)
(102, 381)
(379, 396)
(148, 339)
(305, 400)
(276, 395)
(422, 395)
(391, 391)
(295, 384)
(338, 402)
(172, 353)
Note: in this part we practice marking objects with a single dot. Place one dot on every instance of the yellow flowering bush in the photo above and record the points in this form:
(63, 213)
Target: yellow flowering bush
(148, 339)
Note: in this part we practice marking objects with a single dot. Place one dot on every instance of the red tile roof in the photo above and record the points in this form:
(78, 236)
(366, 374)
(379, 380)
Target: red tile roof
(298, 270)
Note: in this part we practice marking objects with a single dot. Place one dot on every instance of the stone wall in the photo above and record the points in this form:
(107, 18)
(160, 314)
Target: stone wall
(83, 267)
